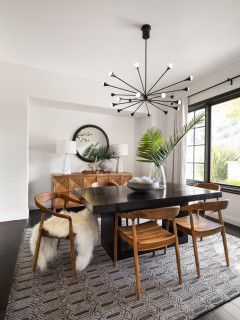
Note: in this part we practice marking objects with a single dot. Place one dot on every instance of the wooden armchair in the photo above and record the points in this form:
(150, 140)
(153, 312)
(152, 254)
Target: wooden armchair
(40, 203)
(198, 227)
(147, 236)
(210, 186)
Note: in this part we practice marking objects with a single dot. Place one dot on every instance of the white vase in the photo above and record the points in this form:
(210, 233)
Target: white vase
(158, 174)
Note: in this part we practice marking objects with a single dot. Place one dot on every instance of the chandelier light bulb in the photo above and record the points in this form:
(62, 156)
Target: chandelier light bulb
(163, 95)
(191, 78)
(186, 89)
(136, 65)
(179, 101)
(118, 99)
(138, 95)
(170, 65)
(110, 73)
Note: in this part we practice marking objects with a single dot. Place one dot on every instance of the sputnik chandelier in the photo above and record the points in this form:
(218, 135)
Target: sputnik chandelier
(161, 98)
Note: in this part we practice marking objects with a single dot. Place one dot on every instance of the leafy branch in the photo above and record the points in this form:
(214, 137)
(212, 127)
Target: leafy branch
(154, 147)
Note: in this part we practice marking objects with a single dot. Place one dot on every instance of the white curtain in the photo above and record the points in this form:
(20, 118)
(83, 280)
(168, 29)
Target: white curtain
(175, 166)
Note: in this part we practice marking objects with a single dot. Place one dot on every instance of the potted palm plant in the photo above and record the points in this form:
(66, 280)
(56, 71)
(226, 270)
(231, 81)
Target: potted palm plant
(155, 148)
(101, 155)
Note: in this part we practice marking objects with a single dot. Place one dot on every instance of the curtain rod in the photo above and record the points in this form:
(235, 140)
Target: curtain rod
(215, 85)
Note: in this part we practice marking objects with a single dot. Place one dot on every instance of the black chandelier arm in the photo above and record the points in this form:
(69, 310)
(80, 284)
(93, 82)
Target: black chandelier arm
(170, 91)
(173, 84)
(126, 83)
(165, 112)
(147, 108)
(123, 94)
(168, 101)
(109, 85)
(120, 103)
(145, 89)
(132, 99)
(132, 114)
(140, 78)
(119, 110)
(165, 105)
(158, 79)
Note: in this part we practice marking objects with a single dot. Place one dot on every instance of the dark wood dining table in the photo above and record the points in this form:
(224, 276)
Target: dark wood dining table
(106, 201)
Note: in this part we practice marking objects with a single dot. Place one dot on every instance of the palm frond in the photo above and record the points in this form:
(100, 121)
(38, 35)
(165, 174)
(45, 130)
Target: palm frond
(153, 146)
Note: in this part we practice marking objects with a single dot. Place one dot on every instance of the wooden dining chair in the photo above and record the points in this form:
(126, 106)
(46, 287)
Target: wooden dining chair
(147, 236)
(209, 186)
(40, 201)
(198, 227)
(104, 184)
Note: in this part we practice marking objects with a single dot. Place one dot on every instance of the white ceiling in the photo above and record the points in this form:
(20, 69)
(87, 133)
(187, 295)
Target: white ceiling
(90, 37)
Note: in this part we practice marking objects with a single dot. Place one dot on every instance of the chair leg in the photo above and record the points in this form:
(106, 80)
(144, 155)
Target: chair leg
(58, 245)
(196, 255)
(73, 257)
(225, 247)
(165, 250)
(115, 247)
(178, 263)
(153, 253)
(137, 272)
(36, 253)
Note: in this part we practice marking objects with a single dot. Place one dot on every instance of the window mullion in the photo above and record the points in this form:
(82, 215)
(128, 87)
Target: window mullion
(207, 173)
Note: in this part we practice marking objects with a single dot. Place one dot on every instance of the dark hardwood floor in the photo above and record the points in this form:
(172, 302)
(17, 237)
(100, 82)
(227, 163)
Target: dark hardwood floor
(10, 238)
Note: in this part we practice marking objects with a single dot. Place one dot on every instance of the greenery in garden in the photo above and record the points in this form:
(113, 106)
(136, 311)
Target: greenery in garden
(219, 163)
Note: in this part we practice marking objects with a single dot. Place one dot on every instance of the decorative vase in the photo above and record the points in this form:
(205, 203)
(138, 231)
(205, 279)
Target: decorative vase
(106, 165)
(158, 174)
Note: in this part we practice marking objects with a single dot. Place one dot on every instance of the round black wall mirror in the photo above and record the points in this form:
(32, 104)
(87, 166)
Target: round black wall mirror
(89, 139)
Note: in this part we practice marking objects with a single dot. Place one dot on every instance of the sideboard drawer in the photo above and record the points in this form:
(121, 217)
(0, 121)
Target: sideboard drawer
(61, 184)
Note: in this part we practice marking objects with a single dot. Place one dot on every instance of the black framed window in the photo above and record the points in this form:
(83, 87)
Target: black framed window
(213, 149)
(195, 149)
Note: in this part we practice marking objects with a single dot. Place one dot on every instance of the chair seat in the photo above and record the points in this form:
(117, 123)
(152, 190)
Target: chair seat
(201, 225)
(149, 235)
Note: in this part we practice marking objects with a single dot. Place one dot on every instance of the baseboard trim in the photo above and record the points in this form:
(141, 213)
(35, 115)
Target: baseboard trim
(227, 219)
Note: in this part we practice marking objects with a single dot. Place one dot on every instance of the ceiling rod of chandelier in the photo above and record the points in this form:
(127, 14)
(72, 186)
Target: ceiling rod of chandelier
(138, 97)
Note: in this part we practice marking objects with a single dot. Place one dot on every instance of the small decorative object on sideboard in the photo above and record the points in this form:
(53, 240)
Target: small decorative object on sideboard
(103, 156)
(143, 184)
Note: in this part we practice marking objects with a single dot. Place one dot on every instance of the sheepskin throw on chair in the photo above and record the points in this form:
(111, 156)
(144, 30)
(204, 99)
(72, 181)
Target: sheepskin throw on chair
(86, 233)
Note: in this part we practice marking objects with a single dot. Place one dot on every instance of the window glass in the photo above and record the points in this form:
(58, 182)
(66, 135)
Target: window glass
(195, 156)
(225, 143)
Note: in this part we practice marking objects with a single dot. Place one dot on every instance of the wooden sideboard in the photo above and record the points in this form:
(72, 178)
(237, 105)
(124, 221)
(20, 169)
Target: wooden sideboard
(64, 183)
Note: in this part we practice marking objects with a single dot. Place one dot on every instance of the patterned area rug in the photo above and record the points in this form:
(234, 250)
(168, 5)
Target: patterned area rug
(104, 292)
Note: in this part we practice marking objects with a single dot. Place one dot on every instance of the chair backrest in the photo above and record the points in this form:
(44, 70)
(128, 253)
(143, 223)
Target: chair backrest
(208, 185)
(154, 214)
(42, 198)
(212, 206)
(104, 184)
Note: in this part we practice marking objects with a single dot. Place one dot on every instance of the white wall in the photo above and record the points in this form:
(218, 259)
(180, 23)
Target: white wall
(17, 84)
(232, 213)
(48, 125)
